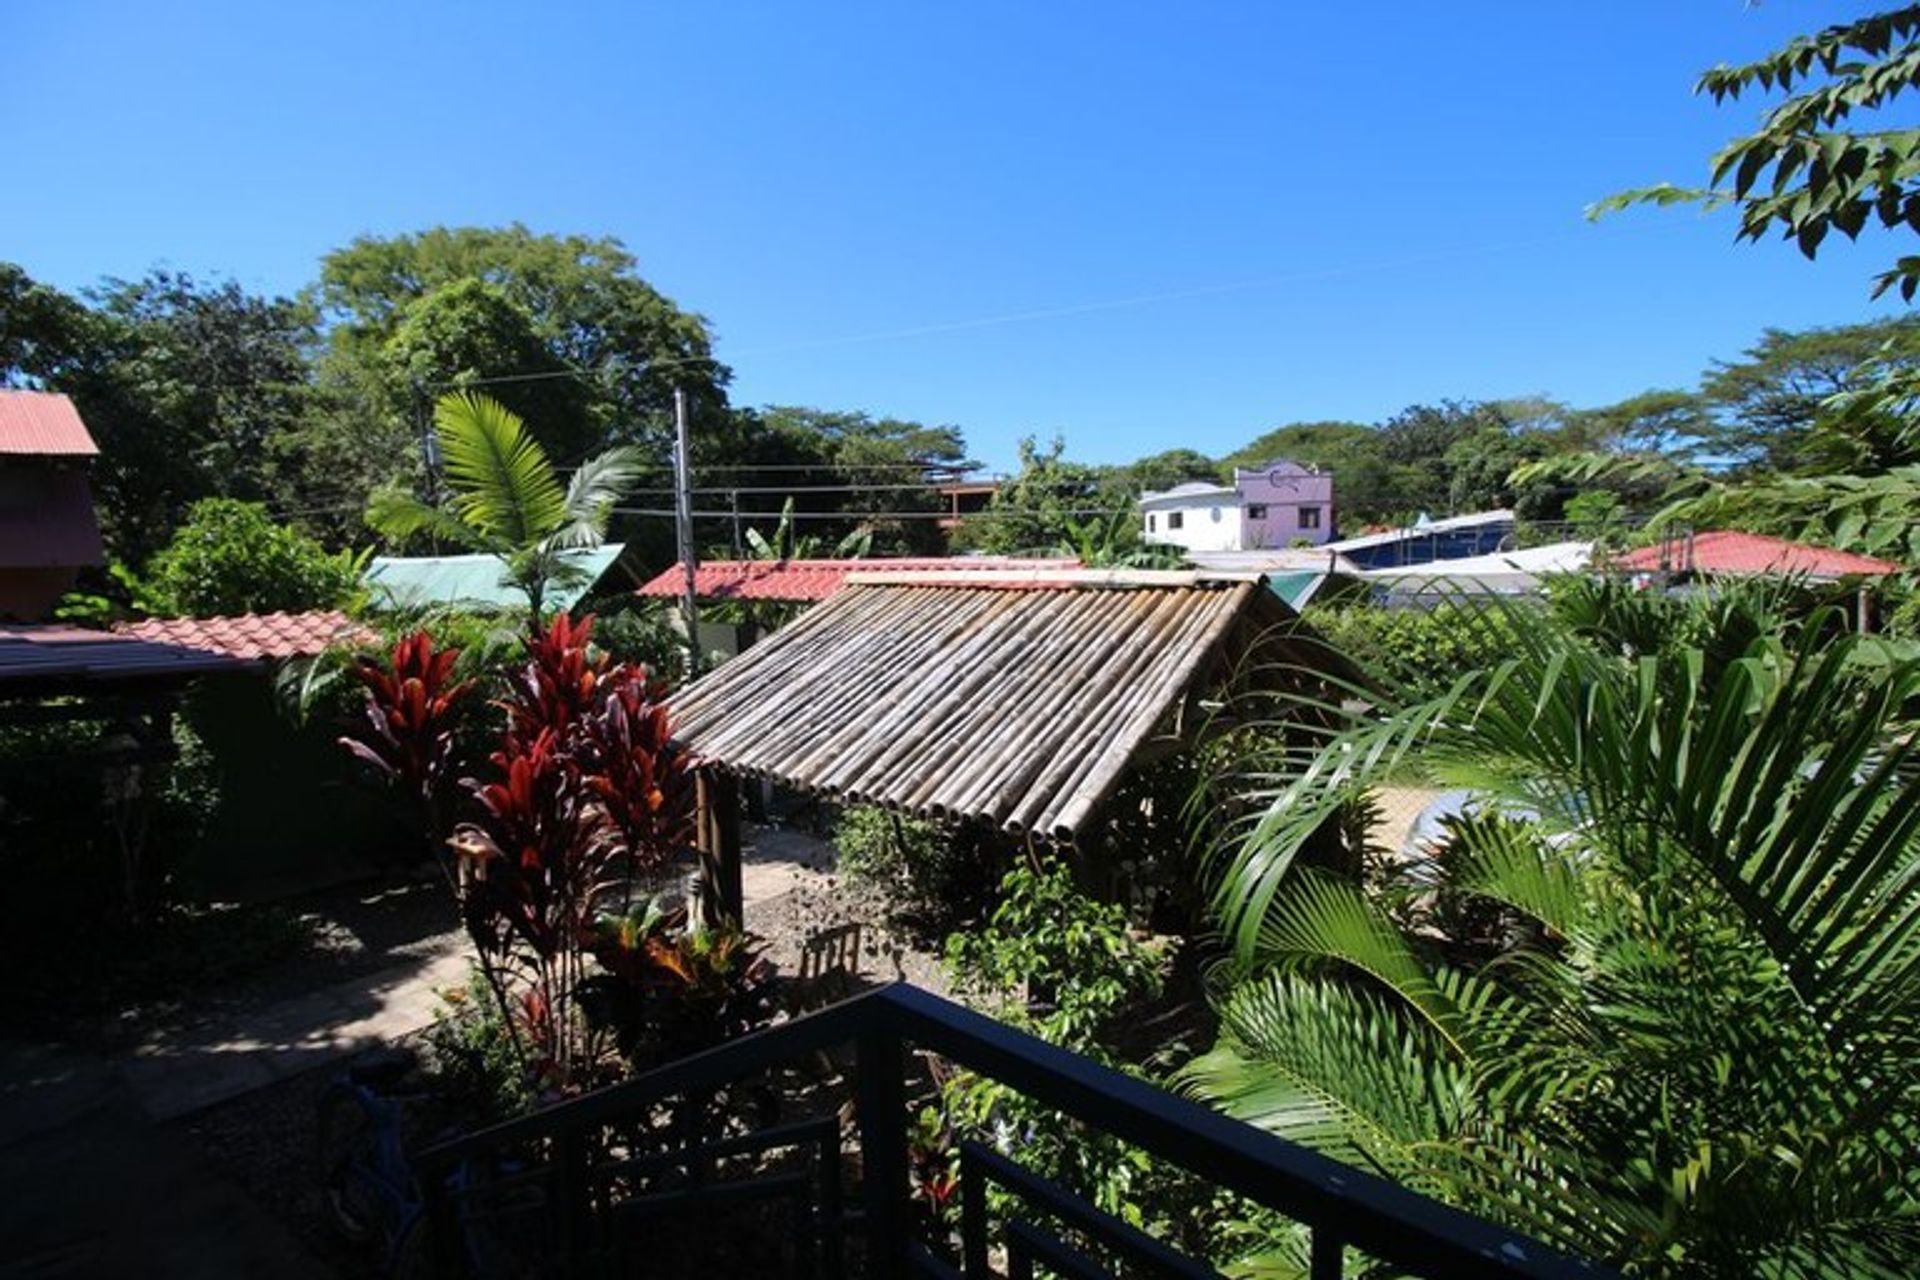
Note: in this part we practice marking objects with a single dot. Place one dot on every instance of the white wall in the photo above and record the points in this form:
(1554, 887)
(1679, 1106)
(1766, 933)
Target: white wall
(1206, 524)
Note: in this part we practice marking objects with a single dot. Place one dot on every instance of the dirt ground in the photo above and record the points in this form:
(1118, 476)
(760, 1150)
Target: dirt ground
(265, 1141)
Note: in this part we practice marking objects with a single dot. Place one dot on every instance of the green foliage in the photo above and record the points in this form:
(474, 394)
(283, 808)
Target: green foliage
(1040, 505)
(1807, 171)
(886, 464)
(1771, 409)
(508, 499)
(933, 877)
(641, 633)
(231, 557)
(470, 1046)
(187, 388)
(1697, 1055)
(1415, 647)
(1064, 967)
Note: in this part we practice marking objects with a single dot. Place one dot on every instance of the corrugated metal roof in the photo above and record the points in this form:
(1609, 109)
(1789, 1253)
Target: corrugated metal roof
(1422, 529)
(42, 424)
(1747, 554)
(808, 581)
(252, 637)
(46, 519)
(1016, 702)
(409, 582)
(57, 657)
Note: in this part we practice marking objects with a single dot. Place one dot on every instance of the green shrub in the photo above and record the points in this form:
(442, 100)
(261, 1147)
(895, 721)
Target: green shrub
(1428, 648)
(1065, 967)
(641, 635)
(232, 557)
(932, 876)
(471, 1053)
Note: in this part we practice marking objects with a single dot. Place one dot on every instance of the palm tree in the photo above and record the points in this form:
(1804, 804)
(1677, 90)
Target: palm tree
(1656, 1001)
(507, 498)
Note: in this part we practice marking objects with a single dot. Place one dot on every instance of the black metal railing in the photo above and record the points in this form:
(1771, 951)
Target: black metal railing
(590, 1197)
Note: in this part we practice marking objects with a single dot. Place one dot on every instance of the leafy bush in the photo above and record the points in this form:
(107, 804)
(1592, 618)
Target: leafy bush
(1425, 648)
(232, 557)
(643, 636)
(1066, 968)
(1695, 1056)
(471, 1052)
(932, 876)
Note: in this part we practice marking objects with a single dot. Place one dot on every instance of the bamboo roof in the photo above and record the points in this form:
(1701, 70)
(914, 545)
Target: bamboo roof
(1017, 700)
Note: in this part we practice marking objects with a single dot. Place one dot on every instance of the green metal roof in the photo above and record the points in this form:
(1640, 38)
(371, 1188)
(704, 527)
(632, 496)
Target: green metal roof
(1295, 588)
(401, 582)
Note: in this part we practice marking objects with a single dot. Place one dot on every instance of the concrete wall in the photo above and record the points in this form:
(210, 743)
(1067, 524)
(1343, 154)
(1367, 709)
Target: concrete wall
(1207, 522)
(1297, 503)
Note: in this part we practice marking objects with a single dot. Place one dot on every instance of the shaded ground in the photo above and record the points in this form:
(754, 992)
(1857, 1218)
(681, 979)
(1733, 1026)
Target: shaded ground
(176, 1137)
(93, 1188)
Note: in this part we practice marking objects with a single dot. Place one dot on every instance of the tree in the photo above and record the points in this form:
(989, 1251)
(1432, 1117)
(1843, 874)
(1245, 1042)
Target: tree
(1768, 409)
(561, 329)
(507, 498)
(1162, 471)
(1656, 997)
(884, 467)
(230, 557)
(584, 299)
(185, 386)
(1805, 171)
(42, 330)
(1040, 507)
(1663, 420)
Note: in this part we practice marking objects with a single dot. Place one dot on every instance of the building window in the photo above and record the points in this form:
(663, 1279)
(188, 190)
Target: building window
(1215, 513)
(1173, 520)
(1309, 517)
(1256, 511)
(1149, 522)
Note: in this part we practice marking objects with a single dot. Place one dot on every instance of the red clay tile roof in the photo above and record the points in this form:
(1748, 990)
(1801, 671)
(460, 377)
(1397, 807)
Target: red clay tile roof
(807, 581)
(254, 636)
(1748, 553)
(54, 656)
(42, 424)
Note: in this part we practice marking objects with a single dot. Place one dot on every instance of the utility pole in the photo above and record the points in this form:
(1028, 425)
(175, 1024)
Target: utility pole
(683, 521)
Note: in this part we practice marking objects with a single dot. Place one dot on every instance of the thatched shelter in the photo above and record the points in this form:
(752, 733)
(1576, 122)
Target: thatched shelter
(1018, 699)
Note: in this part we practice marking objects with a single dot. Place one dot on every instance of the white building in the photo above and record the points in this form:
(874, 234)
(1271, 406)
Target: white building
(1196, 515)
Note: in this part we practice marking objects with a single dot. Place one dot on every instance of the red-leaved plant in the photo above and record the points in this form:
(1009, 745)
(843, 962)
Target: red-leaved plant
(586, 791)
(411, 713)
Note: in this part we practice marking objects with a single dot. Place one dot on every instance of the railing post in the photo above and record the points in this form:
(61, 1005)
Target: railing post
(1329, 1254)
(443, 1224)
(883, 1150)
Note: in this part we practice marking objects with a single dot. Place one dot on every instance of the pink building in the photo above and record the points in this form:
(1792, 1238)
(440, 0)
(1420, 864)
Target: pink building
(1283, 504)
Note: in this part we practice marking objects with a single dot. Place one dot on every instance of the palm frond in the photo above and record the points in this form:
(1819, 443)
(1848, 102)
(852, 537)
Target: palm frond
(599, 483)
(505, 486)
(400, 516)
(1333, 1068)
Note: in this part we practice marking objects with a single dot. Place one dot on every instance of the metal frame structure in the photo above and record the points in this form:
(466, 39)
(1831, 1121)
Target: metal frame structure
(591, 1219)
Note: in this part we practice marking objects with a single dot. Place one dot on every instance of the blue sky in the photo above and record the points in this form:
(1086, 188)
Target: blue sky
(1138, 226)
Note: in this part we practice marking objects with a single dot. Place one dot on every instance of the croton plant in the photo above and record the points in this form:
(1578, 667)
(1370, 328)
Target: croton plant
(584, 794)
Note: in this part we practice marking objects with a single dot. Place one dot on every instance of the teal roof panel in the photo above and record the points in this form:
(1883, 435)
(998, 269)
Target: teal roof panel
(474, 581)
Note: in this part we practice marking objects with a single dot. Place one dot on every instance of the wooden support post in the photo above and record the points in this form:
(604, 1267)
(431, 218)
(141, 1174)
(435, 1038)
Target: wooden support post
(717, 795)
